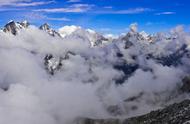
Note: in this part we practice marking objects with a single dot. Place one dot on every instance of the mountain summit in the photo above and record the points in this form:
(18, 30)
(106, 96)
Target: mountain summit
(14, 27)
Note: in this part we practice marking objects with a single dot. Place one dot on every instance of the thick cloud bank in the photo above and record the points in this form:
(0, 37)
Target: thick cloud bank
(126, 77)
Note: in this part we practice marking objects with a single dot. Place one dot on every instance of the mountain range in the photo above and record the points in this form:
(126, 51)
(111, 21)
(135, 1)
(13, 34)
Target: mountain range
(50, 76)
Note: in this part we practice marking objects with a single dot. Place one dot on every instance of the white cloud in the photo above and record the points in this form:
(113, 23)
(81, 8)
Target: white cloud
(149, 23)
(133, 11)
(35, 97)
(58, 19)
(75, 8)
(166, 13)
(9, 2)
(39, 16)
(23, 3)
(134, 27)
(127, 11)
(31, 4)
(11, 9)
(73, 1)
(79, 8)
(105, 29)
(108, 7)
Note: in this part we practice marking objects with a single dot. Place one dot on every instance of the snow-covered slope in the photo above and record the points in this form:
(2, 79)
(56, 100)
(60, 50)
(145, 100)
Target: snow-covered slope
(93, 37)
(14, 27)
(68, 30)
(45, 27)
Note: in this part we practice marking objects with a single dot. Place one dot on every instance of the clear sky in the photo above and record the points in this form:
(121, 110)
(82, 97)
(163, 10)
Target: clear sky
(106, 16)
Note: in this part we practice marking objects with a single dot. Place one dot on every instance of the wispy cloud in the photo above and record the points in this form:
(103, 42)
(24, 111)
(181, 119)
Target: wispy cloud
(73, 1)
(105, 29)
(107, 7)
(127, 11)
(154, 23)
(23, 3)
(39, 16)
(133, 11)
(9, 2)
(75, 8)
(58, 19)
(11, 9)
(80, 8)
(166, 13)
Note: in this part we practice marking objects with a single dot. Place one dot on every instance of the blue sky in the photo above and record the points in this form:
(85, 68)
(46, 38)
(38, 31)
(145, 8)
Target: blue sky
(106, 16)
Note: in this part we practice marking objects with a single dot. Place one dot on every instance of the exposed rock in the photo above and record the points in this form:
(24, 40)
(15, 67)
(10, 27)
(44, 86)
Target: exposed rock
(98, 121)
(127, 69)
(13, 27)
(178, 113)
(177, 56)
(134, 97)
(186, 84)
(25, 24)
(53, 64)
(115, 110)
(45, 27)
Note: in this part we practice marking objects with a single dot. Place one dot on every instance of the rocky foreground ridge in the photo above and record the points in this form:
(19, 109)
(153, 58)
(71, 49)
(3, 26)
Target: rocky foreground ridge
(178, 113)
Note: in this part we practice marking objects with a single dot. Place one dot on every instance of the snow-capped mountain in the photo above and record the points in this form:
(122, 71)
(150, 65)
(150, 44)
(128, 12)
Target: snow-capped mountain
(146, 36)
(133, 36)
(93, 37)
(68, 30)
(46, 27)
(14, 27)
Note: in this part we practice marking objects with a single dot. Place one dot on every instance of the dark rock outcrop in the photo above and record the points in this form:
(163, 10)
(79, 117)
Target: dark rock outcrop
(13, 27)
(45, 27)
(186, 85)
(174, 59)
(178, 113)
(53, 64)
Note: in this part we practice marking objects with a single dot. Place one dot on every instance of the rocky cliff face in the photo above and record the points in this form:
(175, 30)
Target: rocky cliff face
(45, 27)
(178, 113)
(186, 84)
(13, 27)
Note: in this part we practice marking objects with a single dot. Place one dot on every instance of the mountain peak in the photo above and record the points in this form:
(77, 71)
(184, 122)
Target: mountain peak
(25, 23)
(10, 21)
(67, 30)
(134, 27)
(45, 27)
(13, 27)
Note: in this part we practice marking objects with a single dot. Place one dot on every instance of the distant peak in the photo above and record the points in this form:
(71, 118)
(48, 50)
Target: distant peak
(25, 21)
(11, 21)
(91, 31)
(45, 26)
(67, 30)
(14, 27)
(134, 27)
